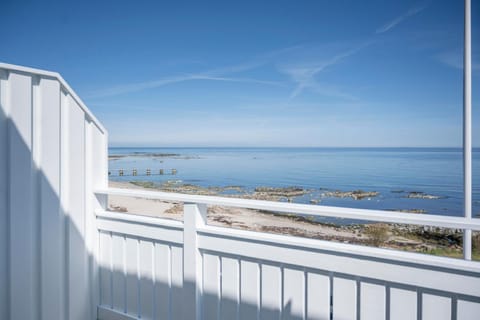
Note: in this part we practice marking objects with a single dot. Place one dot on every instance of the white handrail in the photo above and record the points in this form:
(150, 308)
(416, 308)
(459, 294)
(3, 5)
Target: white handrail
(305, 209)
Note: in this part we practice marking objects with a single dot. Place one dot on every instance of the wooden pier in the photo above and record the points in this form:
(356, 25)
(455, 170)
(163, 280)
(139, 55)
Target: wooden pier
(142, 172)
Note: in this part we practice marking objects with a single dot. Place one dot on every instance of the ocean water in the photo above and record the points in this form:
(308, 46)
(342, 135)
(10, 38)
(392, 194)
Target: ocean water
(393, 172)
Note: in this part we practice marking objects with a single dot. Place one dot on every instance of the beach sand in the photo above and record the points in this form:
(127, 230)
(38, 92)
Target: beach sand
(255, 220)
(436, 241)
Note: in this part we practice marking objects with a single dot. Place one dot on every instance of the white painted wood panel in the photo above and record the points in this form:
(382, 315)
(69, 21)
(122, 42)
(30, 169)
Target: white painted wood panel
(4, 185)
(132, 276)
(229, 288)
(48, 272)
(24, 275)
(105, 265)
(467, 310)
(64, 190)
(318, 297)
(147, 276)
(211, 287)
(118, 269)
(293, 294)
(436, 307)
(372, 301)
(271, 279)
(344, 299)
(177, 303)
(242, 289)
(79, 291)
(313, 255)
(140, 230)
(162, 281)
(51, 217)
(249, 290)
(403, 304)
(95, 173)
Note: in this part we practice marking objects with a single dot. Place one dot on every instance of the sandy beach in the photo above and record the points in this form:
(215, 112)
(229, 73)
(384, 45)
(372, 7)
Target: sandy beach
(240, 218)
(410, 238)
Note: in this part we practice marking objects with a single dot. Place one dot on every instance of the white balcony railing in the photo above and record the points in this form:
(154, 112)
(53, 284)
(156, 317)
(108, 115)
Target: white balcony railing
(237, 274)
(63, 256)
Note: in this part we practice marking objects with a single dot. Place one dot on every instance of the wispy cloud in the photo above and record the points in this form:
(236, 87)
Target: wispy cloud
(454, 59)
(221, 74)
(304, 75)
(140, 86)
(393, 23)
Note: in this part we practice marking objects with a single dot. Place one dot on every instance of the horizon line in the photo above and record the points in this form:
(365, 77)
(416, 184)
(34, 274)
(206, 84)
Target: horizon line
(291, 147)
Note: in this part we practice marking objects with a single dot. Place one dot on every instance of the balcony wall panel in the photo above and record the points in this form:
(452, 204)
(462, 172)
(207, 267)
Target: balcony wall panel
(24, 297)
(51, 217)
(4, 221)
(46, 269)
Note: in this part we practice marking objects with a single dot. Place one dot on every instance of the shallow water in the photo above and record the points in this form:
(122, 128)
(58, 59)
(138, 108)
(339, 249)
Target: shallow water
(393, 172)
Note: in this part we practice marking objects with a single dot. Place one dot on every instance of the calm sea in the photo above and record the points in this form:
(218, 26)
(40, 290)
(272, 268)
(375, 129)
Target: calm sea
(393, 172)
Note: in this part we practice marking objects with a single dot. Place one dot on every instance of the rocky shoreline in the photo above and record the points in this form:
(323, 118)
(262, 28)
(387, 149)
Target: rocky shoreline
(438, 241)
(154, 156)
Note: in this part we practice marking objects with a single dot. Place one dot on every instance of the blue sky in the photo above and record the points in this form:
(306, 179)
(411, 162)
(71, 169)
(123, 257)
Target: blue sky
(255, 73)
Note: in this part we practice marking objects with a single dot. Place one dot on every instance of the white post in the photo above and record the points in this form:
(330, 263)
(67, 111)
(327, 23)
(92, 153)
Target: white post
(194, 216)
(467, 130)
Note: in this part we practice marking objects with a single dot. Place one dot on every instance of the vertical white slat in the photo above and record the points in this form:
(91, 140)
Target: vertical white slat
(64, 191)
(118, 269)
(318, 297)
(230, 289)
(344, 299)
(211, 287)
(146, 279)
(177, 283)
(403, 304)
(52, 220)
(90, 229)
(271, 279)
(293, 294)
(250, 290)
(23, 270)
(131, 258)
(4, 185)
(105, 264)
(467, 310)
(96, 178)
(194, 217)
(79, 287)
(36, 187)
(372, 301)
(162, 281)
(436, 307)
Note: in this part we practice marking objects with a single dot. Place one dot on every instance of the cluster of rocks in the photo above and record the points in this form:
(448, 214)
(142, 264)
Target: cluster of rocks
(355, 194)
(194, 189)
(287, 192)
(422, 195)
(409, 210)
(155, 155)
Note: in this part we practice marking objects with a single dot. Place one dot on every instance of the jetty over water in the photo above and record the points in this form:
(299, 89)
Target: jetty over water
(64, 255)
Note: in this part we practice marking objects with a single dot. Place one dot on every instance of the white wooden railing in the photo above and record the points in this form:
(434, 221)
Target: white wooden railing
(152, 268)
(62, 256)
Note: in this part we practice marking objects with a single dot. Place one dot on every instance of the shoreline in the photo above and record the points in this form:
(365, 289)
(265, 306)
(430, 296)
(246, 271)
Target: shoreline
(395, 236)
